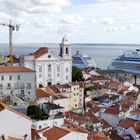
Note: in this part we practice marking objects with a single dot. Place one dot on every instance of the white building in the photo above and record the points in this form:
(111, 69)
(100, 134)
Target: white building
(14, 124)
(50, 68)
(17, 81)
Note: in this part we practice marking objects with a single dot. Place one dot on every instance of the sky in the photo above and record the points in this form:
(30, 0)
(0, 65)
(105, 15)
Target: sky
(83, 21)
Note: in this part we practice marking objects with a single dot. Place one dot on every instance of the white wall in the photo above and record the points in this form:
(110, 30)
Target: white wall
(49, 122)
(25, 77)
(63, 102)
(12, 124)
(75, 136)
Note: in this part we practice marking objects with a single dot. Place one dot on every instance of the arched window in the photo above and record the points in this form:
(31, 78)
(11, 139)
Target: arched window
(49, 67)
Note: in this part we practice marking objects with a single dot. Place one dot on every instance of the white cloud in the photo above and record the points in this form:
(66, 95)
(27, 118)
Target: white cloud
(107, 20)
(131, 26)
(72, 20)
(123, 9)
(94, 21)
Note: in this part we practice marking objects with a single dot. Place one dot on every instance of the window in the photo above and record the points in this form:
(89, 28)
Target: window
(49, 83)
(58, 68)
(67, 50)
(8, 85)
(40, 75)
(28, 92)
(2, 77)
(67, 77)
(16, 86)
(22, 86)
(58, 74)
(67, 69)
(29, 86)
(10, 77)
(40, 69)
(49, 68)
(1, 86)
(49, 56)
(49, 75)
(18, 77)
(22, 94)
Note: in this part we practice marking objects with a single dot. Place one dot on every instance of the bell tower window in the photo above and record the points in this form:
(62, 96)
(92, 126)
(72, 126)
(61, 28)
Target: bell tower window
(67, 50)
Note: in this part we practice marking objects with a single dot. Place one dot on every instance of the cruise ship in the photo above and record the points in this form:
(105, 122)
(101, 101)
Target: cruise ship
(82, 61)
(129, 61)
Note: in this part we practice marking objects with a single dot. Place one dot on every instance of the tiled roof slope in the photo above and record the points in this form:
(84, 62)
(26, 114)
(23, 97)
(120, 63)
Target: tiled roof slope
(41, 51)
(6, 69)
(55, 133)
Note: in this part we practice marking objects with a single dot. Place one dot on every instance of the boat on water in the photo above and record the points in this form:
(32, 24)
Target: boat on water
(129, 61)
(82, 61)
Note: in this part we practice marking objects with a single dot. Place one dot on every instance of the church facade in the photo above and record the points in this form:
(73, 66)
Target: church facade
(51, 69)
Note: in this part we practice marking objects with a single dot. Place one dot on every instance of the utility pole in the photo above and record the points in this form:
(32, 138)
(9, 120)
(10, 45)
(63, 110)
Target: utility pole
(11, 29)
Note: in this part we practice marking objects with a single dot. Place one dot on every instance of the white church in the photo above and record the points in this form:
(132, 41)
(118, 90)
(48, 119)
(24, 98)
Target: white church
(50, 68)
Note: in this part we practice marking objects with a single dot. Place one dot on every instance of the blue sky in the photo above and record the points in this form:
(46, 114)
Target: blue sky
(84, 21)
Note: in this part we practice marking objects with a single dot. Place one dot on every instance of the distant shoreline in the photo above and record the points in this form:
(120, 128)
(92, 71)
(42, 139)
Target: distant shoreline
(97, 44)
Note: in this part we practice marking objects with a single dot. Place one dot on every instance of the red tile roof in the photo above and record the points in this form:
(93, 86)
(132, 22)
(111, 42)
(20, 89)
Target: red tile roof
(136, 112)
(100, 78)
(105, 124)
(126, 103)
(41, 93)
(41, 51)
(6, 69)
(55, 133)
(115, 110)
(127, 123)
(74, 83)
(137, 129)
(63, 86)
(92, 117)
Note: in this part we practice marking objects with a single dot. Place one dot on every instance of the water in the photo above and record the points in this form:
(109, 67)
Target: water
(102, 54)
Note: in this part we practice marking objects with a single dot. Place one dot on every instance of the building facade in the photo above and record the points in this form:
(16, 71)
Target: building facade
(17, 81)
(50, 68)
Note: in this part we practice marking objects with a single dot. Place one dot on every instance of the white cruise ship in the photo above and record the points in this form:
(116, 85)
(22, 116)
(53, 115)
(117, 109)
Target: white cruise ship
(129, 61)
(82, 61)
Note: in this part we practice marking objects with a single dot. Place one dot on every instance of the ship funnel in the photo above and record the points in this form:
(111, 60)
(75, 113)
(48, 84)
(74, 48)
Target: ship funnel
(77, 53)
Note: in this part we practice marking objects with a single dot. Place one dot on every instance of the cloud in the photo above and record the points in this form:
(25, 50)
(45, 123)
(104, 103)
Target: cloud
(94, 21)
(123, 9)
(107, 20)
(73, 20)
(33, 6)
(131, 26)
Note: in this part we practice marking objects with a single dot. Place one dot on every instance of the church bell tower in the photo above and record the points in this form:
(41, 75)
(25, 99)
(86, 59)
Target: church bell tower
(65, 48)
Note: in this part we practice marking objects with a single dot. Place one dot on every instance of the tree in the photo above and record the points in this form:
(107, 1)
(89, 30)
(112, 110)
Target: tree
(77, 74)
(34, 112)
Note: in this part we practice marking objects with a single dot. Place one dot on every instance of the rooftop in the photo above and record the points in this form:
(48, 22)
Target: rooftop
(41, 51)
(55, 133)
(6, 69)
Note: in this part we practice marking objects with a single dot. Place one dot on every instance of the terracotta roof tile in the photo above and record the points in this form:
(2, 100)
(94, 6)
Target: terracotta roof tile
(41, 51)
(115, 110)
(136, 112)
(127, 123)
(55, 133)
(41, 93)
(126, 103)
(100, 78)
(5, 69)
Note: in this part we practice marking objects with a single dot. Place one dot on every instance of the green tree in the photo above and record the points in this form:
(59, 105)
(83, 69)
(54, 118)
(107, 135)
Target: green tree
(77, 74)
(34, 112)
